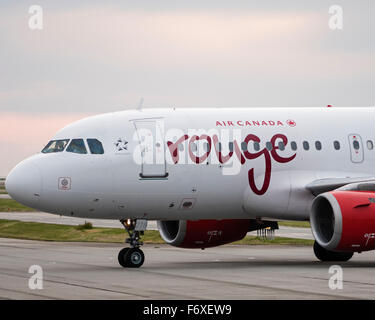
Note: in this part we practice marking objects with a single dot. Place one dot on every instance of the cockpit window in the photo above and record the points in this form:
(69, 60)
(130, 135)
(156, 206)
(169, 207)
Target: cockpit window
(95, 146)
(55, 146)
(77, 146)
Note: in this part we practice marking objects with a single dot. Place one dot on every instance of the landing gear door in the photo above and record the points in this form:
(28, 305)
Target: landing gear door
(356, 148)
(151, 139)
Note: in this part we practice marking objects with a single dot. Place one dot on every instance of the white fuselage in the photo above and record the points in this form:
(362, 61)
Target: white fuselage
(147, 170)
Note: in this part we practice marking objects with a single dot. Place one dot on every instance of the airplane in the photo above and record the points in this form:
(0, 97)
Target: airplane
(209, 176)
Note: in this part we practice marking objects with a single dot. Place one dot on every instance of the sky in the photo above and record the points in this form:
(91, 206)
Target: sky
(100, 56)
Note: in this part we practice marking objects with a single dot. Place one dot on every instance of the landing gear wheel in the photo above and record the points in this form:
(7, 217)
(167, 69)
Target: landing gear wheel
(326, 255)
(134, 258)
(122, 257)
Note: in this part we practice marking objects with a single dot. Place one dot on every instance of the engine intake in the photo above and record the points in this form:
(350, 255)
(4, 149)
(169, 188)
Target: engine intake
(344, 220)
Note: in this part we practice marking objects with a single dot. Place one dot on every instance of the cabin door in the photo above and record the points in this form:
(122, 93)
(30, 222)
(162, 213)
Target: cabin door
(151, 139)
(356, 148)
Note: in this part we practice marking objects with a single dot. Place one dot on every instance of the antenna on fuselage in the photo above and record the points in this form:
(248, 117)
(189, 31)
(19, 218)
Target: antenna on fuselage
(140, 104)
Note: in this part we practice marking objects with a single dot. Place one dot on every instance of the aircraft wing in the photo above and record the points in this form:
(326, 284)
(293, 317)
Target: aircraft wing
(324, 185)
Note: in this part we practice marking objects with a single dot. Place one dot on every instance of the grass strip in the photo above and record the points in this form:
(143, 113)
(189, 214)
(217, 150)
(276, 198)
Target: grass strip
(10, 205)
(252, 240)
(65, 233)
(295, 224)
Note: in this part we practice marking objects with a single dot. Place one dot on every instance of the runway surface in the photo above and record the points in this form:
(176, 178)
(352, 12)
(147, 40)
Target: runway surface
(91, 271)
(288, 232)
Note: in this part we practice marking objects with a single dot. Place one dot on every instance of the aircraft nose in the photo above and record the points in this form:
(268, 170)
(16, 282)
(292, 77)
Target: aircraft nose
(24, 183)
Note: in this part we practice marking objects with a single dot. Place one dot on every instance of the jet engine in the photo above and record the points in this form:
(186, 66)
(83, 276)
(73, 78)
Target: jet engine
(208, 233)
(344, 221)
(202, 233)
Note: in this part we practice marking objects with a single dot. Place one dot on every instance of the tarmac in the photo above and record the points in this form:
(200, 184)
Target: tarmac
(91, 271)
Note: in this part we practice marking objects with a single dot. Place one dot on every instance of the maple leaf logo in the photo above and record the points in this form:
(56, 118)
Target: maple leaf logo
(291, 123)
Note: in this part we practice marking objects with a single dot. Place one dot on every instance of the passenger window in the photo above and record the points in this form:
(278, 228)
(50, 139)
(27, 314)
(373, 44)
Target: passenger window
(293, 145)
(281, 146)
(95, 146)
(244, 146)
(336, 145)
(318, 145)
(206, 147)
(370, 145)
(256, 146)
(355, 144)
(269, 146)
(77, 146)
(306, 145)
(55, 146)
(193, 147)
(218, 146)
(231, 146)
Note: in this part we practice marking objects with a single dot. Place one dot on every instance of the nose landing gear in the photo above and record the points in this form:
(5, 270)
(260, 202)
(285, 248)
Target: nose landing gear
(133, 257)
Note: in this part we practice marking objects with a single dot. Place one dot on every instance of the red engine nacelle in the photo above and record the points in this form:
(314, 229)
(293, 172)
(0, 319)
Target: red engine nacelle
(202, 233)
(344, 220)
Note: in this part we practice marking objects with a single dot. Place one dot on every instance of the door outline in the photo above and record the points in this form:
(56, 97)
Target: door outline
(155, 149)
(356, 155)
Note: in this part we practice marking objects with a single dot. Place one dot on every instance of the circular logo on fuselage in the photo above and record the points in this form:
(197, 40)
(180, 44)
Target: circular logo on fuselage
(291, 123)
